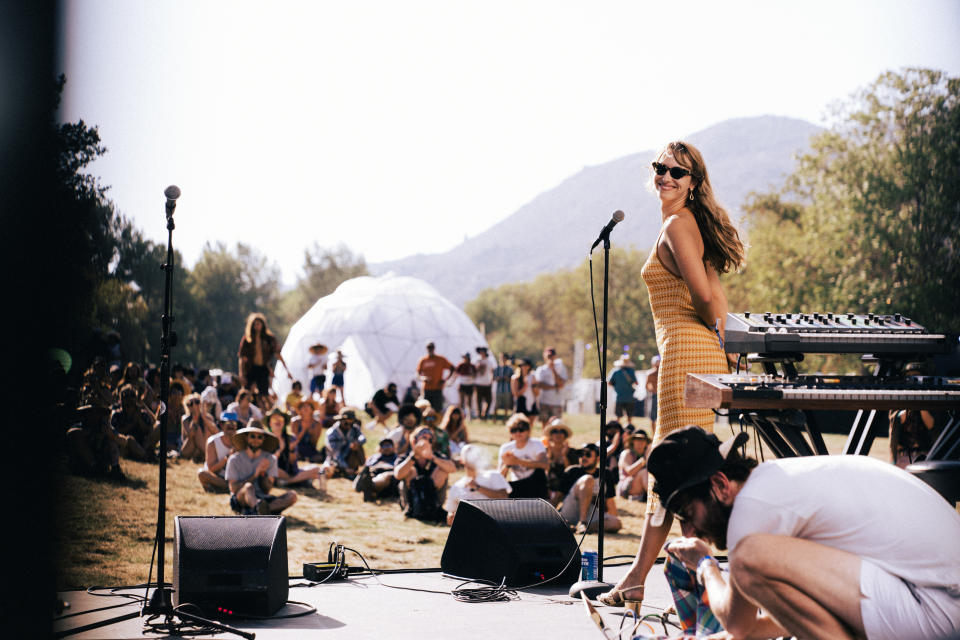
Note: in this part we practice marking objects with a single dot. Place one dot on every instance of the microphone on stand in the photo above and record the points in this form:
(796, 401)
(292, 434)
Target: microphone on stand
(605, 232)
(173, 192)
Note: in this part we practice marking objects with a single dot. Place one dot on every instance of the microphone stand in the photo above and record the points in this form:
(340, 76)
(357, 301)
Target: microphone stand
(161, 601)
(593, 588)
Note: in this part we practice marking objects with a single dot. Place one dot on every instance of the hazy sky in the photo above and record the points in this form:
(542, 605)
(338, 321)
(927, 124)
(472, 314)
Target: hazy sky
(399, 127)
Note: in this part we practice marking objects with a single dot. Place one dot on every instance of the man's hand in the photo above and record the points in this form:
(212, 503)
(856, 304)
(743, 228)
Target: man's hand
(510, 458)
(689, 551)
(262, 467)
(424, 448)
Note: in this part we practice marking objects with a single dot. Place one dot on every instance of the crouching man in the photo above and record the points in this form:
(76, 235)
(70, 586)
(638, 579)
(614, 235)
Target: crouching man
(826, 546)
(252, 472)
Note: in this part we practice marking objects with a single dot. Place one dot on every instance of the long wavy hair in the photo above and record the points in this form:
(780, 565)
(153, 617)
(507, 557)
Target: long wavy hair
(248, 330)
(721, 242)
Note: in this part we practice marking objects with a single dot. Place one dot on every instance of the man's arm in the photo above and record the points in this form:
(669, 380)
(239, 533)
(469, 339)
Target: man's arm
(405, 469)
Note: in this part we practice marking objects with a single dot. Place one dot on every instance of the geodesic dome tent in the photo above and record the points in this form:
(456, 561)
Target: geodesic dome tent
(382, 325)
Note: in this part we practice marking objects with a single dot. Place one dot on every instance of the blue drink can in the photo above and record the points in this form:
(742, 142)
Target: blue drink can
(588, 565)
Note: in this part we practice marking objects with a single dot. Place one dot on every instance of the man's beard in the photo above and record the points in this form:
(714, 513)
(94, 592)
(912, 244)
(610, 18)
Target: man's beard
(715, 523)
(255, 447)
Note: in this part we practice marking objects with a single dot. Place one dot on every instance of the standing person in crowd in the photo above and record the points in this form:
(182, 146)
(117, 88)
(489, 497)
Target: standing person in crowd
(219, 448)
(653, 375)
(483, 382)
(430, 370)
(383, 405)
(307, 432)
(697, 243)
(624, 383)
(580, 487)
(376, 479)
(134, 426)
(455, 427)
(317, 368)
(244, 407)
(634, 478)
(339, 367)
(258, 348)
(477, 483)
(227, 389)
(423, 475)
(828, 547)
(912, 431)
(465, 374)
(501, 376)
(252, 472)
(551, 377)
(523, 387)
(525, 459)
(195, 427)
(345, 445)
(560, 455)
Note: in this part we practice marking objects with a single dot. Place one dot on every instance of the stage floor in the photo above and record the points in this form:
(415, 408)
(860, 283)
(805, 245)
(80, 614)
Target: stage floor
(363, 608)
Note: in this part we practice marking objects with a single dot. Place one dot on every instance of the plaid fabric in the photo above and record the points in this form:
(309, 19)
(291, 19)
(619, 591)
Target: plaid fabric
(695, 615)
(686, 345)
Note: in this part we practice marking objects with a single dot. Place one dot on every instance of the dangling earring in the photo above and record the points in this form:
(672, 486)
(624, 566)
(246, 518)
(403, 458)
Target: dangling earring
(691, 195)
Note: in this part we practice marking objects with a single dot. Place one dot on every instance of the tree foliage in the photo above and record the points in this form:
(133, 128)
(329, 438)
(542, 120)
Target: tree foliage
(554, 310)
(870, 220)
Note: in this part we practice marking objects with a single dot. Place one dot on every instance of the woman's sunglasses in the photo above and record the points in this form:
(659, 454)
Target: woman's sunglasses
(519, 429)
(675, 172)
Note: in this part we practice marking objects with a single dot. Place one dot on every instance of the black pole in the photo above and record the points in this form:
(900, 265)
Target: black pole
(601, 497)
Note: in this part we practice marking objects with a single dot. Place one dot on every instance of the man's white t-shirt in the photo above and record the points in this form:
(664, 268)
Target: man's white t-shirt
(531, 451)
(857, 504)
(544, 375)
(485, 367)
(458, 491)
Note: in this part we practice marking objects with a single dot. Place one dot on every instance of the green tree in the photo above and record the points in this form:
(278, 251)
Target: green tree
(870, 220)
(223, 288)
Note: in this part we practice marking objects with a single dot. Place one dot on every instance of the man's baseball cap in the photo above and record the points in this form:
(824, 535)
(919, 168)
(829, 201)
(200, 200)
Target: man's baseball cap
(685, 458)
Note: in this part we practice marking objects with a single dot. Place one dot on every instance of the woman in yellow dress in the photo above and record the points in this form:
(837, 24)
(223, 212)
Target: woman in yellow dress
(697, 243)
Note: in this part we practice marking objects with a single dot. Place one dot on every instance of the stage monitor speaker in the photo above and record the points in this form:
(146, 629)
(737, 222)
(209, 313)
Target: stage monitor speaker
(232, 565)
(523, 540)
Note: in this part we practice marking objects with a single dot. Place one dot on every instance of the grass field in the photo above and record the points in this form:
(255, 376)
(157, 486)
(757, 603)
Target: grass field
(107, 529)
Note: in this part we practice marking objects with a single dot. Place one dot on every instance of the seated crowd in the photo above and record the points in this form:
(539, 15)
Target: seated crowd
(250, 445)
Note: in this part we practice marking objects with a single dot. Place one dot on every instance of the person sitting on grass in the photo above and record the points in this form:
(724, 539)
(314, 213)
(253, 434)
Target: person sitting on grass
(581, 487)
(295, 397)
(423, 476)
(195, 428)
(408, 418)
(252, 471)
(376, 479)
(478, 482)
(454, 426)
(92, 447)
(634, 478)
(219, 448)
(134, 426)
(176, 411)
(560, 455)
(244, 407)
(525, 459)
(383, 405)
(289, 472)
(345, 445)
(307, 433)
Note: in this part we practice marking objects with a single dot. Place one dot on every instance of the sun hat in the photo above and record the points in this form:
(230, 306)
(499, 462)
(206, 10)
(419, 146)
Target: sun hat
(277, 411)
(270, 442)
(557, 425)
(685, 458)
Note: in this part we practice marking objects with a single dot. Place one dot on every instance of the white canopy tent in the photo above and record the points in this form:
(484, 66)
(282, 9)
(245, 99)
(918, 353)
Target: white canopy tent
(382, 325)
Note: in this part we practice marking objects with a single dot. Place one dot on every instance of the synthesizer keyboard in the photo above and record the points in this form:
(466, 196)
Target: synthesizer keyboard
(821, 392)
(876, 334)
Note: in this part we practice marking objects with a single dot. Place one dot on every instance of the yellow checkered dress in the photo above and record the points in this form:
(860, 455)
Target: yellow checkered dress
(686, 345)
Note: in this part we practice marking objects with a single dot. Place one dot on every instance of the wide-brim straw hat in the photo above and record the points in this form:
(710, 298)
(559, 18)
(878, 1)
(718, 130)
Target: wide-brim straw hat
(270, 442)
(556, 424)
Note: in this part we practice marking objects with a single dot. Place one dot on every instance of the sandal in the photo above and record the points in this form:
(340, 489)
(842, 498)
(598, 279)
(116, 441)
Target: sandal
(616, 598)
